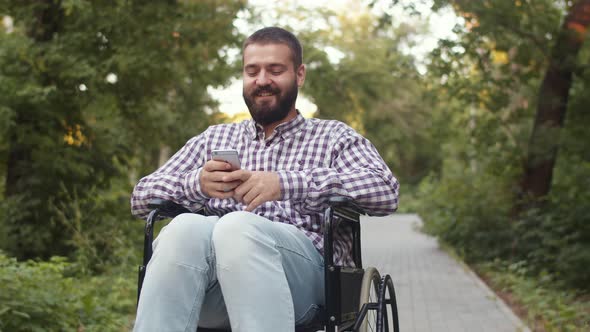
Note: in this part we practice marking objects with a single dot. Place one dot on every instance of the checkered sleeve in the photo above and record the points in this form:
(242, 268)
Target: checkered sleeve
(177, 180)
(293, 185)
(357, 171)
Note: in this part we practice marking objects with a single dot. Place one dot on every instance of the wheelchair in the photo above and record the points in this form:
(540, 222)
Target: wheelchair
(356, 299)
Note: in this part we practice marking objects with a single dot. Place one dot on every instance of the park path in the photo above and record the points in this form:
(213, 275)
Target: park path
(434, 291)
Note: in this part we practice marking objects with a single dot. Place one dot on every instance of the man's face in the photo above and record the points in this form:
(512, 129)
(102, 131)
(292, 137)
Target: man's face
(270, 82)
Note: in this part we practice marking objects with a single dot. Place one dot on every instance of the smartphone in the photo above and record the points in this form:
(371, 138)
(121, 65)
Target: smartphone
(229, 156)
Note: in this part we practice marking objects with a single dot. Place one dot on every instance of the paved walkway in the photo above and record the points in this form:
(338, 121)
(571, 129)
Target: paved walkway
(434, 292)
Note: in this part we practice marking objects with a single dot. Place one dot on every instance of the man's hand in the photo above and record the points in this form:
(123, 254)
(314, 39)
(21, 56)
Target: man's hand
(211, 180)
(255, 188)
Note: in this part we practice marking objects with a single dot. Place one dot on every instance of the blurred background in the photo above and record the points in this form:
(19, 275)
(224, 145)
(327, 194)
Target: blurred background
(480, 108)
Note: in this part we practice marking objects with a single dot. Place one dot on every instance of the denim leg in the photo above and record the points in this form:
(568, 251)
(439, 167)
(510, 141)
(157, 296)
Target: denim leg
(213, 312)
(178, 276)
(270, 273)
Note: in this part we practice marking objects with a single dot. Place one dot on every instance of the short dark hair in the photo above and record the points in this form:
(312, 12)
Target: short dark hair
(275, 35)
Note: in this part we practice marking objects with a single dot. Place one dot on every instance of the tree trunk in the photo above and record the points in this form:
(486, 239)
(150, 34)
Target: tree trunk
(552, 103)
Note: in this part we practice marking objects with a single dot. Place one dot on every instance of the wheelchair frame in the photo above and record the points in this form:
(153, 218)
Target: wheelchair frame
(343, 309)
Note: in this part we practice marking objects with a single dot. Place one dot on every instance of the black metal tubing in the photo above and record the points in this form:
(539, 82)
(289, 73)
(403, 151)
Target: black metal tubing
(347, 212)
(147, 247)
(149, 235)
(350, 213)
(382, 322)
(361, 316)
(329, 268)
(356, 245)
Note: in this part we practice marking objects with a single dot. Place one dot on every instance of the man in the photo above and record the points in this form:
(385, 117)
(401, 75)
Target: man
(256, 263)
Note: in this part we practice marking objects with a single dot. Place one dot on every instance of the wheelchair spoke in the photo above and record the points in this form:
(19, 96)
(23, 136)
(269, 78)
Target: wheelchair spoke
(370, 294)
(372, 314)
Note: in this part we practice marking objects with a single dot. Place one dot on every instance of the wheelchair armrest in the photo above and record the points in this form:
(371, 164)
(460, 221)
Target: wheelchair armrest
(167, 209)
(346, 208)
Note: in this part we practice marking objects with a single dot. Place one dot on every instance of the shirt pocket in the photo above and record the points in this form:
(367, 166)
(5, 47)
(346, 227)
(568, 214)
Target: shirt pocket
(305, 162)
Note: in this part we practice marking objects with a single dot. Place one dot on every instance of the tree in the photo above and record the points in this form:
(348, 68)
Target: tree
(525, 38)
(513, 62)
(374, 87)
(91, 90)
(553, 101)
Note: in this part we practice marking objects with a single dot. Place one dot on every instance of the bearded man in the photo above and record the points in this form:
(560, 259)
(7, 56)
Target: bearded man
(255, 262)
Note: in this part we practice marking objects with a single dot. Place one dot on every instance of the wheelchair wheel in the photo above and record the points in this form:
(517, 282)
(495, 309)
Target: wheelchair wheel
(389, 304)
(369, 294)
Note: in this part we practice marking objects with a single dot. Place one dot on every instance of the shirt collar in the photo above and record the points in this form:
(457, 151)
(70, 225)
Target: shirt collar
(285, 129)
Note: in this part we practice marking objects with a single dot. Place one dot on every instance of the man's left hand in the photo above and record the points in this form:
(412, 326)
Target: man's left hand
(256, 188)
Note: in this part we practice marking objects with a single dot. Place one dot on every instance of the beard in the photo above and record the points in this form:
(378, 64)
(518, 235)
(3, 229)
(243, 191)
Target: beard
(264, 113)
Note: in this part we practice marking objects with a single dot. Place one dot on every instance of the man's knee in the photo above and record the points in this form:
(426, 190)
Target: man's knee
(187, 235)
(238, 235)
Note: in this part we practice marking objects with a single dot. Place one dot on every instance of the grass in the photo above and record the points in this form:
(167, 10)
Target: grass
(539, 301)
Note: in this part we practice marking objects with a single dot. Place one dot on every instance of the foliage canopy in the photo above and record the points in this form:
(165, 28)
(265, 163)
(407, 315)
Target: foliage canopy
(92, 89)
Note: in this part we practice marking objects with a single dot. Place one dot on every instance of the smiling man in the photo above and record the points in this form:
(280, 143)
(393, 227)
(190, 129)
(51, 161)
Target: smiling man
(255, 263)
(272, 76)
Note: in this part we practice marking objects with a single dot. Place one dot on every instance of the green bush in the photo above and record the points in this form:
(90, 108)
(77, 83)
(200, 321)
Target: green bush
(46, 296)
(470, 213)
(94, 288)
(102, 232)
(556, 238)
(471, 208)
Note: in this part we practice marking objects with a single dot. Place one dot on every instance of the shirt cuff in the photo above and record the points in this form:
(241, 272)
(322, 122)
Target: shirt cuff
(293, 185)
(192, 186)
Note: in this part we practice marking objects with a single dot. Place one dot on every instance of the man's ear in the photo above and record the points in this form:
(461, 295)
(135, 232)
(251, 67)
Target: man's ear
(300, 75)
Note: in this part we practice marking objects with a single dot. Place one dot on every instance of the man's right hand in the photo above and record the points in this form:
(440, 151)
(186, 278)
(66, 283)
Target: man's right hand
(211, 181)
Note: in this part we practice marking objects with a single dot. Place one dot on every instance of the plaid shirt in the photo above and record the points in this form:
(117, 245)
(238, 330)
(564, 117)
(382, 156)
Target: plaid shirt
(315, 159)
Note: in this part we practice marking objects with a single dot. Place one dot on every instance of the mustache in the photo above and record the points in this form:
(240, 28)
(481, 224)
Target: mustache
(263, 89)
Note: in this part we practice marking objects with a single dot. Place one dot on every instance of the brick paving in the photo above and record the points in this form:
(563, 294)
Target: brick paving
(434, 291)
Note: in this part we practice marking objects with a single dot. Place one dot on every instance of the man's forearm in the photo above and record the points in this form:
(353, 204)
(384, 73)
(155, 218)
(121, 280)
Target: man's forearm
(375, 191)
(183, 189)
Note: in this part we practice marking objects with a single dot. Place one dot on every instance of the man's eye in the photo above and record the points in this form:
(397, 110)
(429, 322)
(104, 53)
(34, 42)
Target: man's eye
(251, 73)
(276, 72)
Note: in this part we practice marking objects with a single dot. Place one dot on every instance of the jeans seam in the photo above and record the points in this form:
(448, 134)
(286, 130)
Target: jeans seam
(193, 309)
(191, 267)
(277, 246)
(286, 292)
(304, 318)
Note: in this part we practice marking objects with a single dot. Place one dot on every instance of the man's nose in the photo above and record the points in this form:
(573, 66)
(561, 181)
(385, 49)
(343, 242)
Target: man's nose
(263, 78)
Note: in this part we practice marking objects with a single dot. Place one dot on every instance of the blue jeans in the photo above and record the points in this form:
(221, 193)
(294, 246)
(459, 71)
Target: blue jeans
(240, 270)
